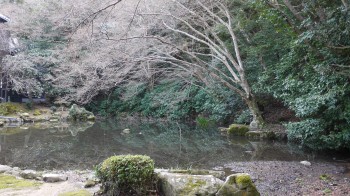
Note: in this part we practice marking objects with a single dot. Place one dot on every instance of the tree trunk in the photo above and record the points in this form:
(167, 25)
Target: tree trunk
(254, 109)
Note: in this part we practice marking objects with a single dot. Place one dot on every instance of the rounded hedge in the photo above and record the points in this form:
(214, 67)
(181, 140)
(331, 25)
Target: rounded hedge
(126, 175)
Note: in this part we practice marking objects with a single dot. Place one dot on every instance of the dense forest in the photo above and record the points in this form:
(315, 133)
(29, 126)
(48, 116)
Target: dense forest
(217, 61)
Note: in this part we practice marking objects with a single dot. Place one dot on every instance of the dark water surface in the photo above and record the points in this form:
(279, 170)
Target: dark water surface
(171, 145)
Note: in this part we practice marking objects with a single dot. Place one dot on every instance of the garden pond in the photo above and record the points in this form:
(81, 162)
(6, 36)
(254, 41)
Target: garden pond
(172, 145)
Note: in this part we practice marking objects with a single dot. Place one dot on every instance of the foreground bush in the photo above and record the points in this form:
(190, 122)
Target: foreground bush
(126, 175)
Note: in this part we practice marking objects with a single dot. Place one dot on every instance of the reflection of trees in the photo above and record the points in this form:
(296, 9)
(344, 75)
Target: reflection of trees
(169, 144)
(269, 150)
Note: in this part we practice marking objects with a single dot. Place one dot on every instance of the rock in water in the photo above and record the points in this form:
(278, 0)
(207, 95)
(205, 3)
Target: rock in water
(306, 163)
(126, 131)
(77, 113)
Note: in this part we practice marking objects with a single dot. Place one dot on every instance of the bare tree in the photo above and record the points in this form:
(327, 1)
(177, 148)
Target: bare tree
(126, 40)
(206, 47)
(22, 74)
(95, 62)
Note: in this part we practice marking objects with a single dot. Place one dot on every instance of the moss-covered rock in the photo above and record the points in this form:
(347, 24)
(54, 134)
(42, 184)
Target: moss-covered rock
(237, 130)
(243, 181)
(77, 113)
(128, 174)
(192, 186)
(182, 184)
(238, 185)
(12, 182)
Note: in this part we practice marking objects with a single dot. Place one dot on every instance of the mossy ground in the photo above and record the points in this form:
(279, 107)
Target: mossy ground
(11, 182)
(11, 108)
(76, 193)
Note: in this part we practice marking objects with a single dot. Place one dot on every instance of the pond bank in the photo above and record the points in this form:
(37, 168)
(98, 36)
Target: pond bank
(270, 178)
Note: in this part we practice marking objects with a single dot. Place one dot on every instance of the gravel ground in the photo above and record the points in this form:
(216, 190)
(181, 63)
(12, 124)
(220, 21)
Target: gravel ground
(293, 178)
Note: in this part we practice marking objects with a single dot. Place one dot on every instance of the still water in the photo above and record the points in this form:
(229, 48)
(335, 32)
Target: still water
(171, 145)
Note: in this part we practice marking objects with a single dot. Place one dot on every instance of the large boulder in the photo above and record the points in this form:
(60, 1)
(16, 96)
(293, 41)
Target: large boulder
(182, 184)
(238, 185)
(179, 184)
(77, 113)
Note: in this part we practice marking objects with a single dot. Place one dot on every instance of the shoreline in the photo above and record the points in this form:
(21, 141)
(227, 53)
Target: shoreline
(270, 178)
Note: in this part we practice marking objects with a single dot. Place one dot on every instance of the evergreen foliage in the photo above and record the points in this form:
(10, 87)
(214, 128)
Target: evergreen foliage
(172, 100)
(309, 70)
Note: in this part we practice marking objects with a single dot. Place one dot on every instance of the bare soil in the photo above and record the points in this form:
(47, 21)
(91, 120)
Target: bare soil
(293, 178)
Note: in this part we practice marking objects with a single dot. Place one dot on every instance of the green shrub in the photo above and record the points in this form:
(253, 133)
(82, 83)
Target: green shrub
(215, 103)
(126, 175)
(238, 130)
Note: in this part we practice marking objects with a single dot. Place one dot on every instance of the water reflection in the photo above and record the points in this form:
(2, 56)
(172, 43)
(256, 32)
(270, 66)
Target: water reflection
(80, 146)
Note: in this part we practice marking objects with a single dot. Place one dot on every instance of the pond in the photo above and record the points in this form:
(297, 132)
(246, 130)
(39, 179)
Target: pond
(171, 145)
